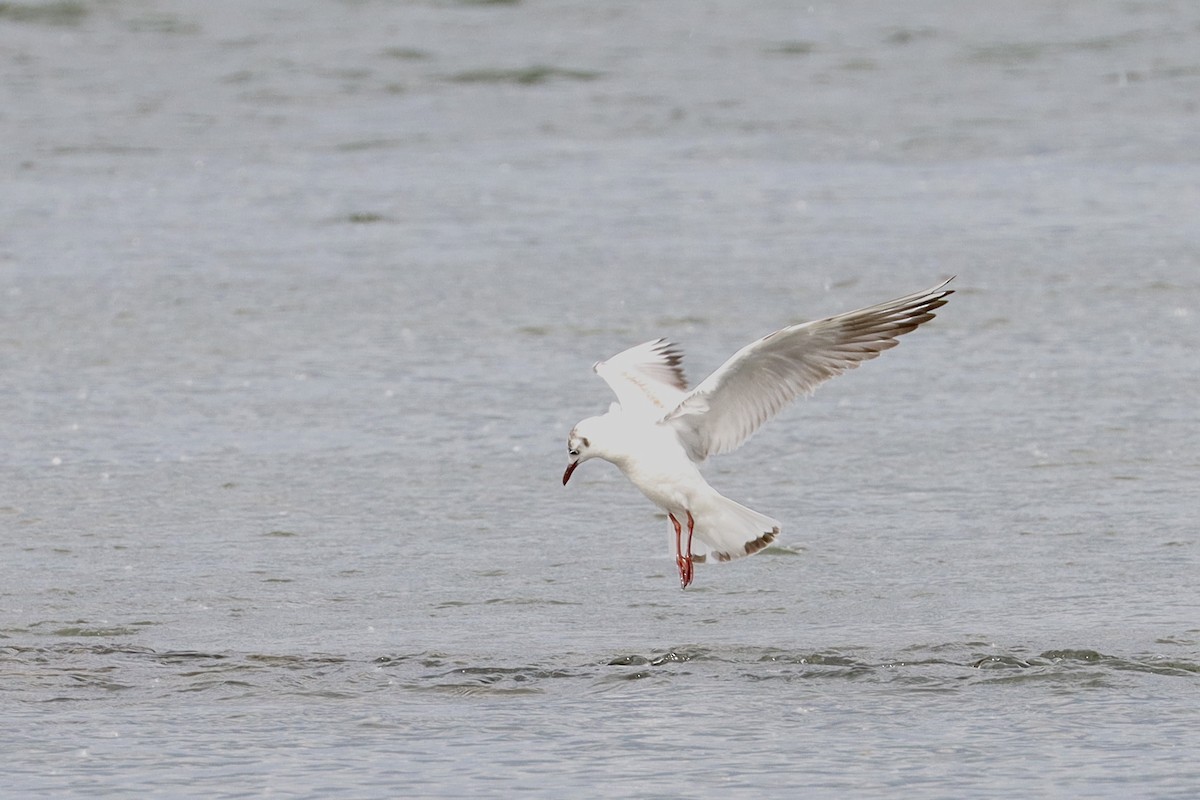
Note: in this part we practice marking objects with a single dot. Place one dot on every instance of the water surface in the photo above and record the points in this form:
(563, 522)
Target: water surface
(299, 303)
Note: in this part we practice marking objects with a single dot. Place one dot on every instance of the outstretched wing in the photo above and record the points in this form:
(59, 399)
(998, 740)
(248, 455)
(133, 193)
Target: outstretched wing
(646, 379)
(763, 377)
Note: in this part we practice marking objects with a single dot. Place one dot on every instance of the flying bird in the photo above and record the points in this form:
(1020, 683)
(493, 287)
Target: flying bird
(658, 431)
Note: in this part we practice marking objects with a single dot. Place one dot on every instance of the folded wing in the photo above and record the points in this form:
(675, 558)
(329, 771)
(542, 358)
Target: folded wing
(763, 377)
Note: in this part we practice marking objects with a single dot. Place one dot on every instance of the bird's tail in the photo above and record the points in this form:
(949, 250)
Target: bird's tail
(726, 530)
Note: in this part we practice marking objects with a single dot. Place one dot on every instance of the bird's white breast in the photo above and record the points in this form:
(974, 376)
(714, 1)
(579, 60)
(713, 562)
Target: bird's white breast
(657, 464)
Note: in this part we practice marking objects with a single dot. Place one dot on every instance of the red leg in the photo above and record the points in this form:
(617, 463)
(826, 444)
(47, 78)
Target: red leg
(688, 558)
(685, 567)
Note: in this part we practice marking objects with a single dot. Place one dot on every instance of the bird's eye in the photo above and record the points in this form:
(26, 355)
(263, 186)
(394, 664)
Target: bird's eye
(573, 452)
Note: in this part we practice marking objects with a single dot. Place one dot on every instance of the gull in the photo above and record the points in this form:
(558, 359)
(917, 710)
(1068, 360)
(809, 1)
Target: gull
(658, 431)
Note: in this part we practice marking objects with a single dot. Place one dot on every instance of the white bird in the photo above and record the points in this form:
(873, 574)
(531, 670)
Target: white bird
(660, 430)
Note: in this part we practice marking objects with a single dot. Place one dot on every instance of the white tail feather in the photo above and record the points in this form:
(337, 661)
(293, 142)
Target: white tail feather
(725, 530)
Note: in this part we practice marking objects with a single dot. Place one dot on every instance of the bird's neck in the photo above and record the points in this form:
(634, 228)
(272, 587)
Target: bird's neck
(627, 436)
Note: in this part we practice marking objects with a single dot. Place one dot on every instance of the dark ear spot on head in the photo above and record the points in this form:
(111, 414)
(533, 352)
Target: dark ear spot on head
(585, 441)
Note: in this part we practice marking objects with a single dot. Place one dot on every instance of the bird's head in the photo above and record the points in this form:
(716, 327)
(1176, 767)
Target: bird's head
(581, 445)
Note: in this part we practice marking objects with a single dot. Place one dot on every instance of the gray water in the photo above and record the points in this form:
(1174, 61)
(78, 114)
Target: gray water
(300, 300)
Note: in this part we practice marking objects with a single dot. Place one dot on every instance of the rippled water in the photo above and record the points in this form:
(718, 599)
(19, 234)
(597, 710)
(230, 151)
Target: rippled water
(299, 303)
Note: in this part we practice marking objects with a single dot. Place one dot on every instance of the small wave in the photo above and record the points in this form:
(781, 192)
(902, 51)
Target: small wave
(83, 671)
(951, 665)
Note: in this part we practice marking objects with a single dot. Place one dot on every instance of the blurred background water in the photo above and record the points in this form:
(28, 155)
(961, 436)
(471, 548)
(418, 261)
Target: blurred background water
(300, 300)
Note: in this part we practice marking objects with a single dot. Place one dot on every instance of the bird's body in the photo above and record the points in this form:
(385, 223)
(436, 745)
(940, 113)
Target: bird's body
(659, 430)
(654, 460)
(651, 457)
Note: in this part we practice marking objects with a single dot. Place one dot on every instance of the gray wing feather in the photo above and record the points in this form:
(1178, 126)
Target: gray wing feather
(647, 378)
(759, 380)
